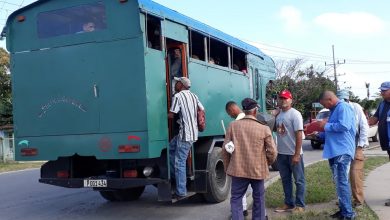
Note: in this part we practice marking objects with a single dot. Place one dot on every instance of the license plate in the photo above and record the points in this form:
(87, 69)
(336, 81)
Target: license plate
(95, 183)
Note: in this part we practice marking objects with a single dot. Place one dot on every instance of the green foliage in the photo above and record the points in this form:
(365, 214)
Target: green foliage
(305, 84)
(5, 89)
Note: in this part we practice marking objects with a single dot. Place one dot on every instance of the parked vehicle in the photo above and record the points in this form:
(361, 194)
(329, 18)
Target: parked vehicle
(324, 114)
(312, 126)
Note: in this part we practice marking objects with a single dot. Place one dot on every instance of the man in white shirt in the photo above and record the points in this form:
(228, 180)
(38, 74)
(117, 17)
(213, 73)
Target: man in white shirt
(357, 165)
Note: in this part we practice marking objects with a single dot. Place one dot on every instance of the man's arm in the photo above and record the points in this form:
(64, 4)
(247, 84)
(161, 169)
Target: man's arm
(225, 154)
(344, 120)
(362, 127)
(298, 146)
(270, 148)
(372, 120)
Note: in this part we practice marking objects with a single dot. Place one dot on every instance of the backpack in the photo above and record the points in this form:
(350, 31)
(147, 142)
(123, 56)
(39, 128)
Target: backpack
(201, 120)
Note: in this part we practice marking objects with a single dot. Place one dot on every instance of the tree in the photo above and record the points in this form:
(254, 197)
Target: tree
(5, 89)
(305, 84)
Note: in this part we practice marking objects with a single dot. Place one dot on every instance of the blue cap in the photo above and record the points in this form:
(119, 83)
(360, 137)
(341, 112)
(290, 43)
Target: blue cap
(343, 94)
(385, 86)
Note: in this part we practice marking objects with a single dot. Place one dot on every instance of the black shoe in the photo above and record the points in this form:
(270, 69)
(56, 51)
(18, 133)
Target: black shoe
(336, 215)
(178, 197)
(245, 212)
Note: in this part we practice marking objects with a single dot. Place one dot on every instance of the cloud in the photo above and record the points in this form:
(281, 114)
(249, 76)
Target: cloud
(292, 18)
(351, 23)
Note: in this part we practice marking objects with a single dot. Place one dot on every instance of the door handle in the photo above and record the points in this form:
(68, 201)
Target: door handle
(95, 90)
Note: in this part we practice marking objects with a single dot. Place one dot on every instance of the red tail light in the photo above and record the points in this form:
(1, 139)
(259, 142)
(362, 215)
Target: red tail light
(129, 149)
(26, 152)
(130, 173)
(63, 174)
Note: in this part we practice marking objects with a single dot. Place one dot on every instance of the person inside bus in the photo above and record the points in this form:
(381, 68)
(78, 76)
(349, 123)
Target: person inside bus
(175, 67)
(88, 27)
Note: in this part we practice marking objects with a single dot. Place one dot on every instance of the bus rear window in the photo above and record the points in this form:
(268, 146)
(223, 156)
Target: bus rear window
(74, 20)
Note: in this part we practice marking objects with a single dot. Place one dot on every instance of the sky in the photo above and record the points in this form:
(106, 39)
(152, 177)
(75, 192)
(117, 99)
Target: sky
(285, 30)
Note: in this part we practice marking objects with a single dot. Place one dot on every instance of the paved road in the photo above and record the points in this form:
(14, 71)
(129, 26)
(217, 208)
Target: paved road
(22, 197)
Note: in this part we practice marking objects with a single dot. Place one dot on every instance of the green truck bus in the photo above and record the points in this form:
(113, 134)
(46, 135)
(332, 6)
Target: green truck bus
(92, 85)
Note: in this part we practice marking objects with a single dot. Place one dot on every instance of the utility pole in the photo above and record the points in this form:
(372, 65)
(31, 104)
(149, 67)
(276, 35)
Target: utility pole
(368, 90)
(334, 69)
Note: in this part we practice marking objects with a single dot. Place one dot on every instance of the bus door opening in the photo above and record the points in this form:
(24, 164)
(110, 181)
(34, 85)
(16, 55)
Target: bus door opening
(176, 66)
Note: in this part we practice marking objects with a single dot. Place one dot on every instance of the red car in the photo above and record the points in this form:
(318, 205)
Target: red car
(312, 127)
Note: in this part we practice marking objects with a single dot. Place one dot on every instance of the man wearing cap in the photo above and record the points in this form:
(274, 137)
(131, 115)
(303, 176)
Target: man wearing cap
(184, 103)
(357, 166)
(382, 117)
(248, 163)
(289, 127)
(235, 112)
(339, 148)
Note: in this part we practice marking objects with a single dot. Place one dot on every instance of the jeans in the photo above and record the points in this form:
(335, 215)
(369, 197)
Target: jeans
(340, 166)
(178, 153)
(239, 187)
(287, 171)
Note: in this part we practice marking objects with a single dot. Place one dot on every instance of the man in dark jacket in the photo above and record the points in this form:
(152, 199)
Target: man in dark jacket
(382, 117)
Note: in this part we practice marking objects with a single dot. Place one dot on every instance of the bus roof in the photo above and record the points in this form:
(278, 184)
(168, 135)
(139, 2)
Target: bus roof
(164, 12)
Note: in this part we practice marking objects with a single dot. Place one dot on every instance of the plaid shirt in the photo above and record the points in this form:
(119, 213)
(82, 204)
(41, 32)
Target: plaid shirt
(253, 144)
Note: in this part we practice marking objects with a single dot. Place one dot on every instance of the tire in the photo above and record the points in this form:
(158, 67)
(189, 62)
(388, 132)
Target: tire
(316, 145)
(123, 195)
(218, 183)
(375, 137)
(108, 195)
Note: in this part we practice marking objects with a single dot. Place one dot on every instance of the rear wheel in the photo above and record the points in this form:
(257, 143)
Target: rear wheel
(375, 137)
(218, 183)
(316, 145)
(108, 195)
(122, 195)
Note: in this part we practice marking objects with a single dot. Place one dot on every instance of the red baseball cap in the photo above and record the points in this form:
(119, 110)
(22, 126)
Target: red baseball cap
(285, 94)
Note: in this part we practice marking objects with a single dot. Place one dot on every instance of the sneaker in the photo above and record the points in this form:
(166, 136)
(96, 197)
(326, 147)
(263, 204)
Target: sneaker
(284, 208)
(357, 205)
(337, 215)
(245, 212)
(298, 209)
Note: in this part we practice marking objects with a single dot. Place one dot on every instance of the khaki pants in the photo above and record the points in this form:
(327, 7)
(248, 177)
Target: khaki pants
(357, 175)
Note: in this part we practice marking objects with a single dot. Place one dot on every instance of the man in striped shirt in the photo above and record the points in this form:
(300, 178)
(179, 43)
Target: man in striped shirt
(184, 103)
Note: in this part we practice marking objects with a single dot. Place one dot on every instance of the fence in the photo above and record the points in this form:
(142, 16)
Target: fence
(7, 149)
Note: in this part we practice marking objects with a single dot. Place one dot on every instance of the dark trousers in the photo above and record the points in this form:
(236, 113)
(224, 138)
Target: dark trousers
(239, 187)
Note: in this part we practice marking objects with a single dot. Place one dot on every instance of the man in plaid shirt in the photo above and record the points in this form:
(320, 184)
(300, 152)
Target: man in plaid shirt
(254, 150)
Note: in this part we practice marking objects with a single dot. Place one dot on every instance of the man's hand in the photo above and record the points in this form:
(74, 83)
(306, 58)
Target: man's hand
(322, 123)
(171, 115)
(296, 158)
(313, 135)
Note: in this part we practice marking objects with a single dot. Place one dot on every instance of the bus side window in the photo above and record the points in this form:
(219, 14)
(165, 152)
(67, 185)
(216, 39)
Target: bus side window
(239, 60)
(197, 47)
(257, 95)
(153, 33)
(218, 53)
(90, 18)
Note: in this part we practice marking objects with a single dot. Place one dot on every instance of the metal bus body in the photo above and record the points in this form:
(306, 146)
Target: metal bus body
(94, 103)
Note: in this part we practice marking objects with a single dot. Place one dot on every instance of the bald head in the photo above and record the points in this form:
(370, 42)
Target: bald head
(328, 99)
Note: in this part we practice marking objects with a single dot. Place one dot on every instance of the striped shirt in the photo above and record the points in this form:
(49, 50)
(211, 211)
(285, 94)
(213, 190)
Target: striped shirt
(186, 103)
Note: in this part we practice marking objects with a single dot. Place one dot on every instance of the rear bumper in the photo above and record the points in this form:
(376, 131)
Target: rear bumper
(112, 183)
